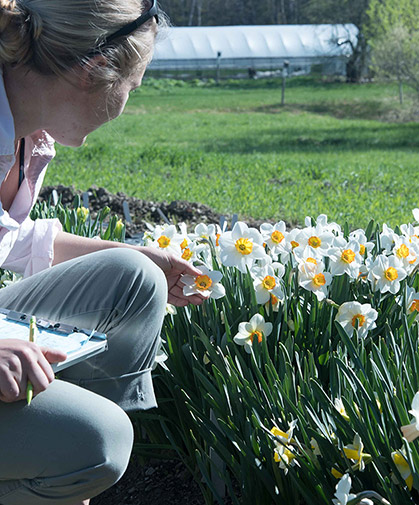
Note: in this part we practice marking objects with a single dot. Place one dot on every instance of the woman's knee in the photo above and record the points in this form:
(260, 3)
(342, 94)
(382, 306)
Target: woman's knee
(134, 273)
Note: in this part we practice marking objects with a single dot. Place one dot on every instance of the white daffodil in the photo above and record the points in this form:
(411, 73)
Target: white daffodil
(241, 247)
(317, 238)
(410, 232)
(355, 452)
(341, 408)
(308, 255)
(160, 357)
(387, 238)
(322, 221)
(267, 282)
(255, 329)
(190, 251)
(206, 284)
(284, 452)
(312, 277)
(412, 301)
(204, 232)
(406, 252)
(170, 309)
(365, 247)
(273, 302)
(168, 239)
(274, 236)
(411, 431)
(354, 315)
(386, 273)
(342, 491)
(345, 258)
(400, 460)
(315, 447)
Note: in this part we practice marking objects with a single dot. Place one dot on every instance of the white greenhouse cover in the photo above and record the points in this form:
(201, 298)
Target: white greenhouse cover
(252, 43)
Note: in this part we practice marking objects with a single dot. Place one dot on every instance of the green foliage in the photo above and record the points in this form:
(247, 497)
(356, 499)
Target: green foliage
(218, 405)
(234, 148)
(394, 38)
(77, 220)
(384, 15)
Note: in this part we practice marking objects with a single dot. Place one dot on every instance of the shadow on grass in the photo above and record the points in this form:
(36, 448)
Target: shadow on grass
(357, 138)
(366, 109)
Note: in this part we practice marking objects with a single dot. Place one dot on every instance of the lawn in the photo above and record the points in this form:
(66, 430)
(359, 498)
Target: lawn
(334, 148)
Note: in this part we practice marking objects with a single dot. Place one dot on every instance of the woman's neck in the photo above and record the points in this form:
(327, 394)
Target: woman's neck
(26, 93)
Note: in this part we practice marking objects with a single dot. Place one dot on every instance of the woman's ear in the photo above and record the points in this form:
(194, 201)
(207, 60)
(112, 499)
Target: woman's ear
(86, 72)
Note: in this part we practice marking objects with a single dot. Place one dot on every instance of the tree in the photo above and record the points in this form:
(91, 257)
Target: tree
(340, 12)
(394, 35)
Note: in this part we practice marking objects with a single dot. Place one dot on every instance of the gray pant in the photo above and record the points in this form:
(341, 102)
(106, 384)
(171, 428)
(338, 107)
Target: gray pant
(70, 444)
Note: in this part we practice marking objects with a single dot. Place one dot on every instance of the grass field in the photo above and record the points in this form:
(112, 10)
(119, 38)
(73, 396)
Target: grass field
(340, 149)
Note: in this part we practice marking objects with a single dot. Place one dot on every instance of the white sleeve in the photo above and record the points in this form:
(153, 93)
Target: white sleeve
(33, 250)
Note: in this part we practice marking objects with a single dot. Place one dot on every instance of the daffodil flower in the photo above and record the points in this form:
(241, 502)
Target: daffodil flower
(313, 278)
(400, 460)
(274, 236)
(317, 238)
(267, 283)
(253, 331)
(355, 452)
(365, 247)
(411, 431)
(241, 247)
(342, 493)
(386, 273)
(284, 453)
(387, 238)
(160, 357)
(341, 408)
(406, 252)
(206, 284)
(345, 258)
(168, 239)
(356, 316)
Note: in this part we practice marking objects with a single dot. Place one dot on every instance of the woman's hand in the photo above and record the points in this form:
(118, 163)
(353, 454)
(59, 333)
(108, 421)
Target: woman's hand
(173, 268)
(21, 361)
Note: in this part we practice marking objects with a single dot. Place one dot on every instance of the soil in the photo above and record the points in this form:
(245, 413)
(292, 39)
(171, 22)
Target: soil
(142, 211)
(157, 483)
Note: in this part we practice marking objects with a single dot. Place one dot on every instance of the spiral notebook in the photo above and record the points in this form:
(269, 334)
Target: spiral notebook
(78, 343)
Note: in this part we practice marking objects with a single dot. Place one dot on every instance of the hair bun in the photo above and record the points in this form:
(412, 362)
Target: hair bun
(17, 30)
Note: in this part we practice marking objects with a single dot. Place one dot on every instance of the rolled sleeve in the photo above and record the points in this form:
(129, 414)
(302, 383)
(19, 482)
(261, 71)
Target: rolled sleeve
(33, 249)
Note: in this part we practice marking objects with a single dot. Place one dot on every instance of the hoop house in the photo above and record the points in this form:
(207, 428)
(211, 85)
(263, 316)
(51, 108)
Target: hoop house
(256, 47)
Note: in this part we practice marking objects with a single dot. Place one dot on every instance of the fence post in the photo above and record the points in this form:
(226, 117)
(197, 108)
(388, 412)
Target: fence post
(284, 78)
(217, 75)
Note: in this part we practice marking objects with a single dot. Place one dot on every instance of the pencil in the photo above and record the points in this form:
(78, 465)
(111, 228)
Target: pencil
(32, 338)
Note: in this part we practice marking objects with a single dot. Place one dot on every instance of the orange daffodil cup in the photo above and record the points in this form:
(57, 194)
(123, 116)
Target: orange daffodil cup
(206, 284)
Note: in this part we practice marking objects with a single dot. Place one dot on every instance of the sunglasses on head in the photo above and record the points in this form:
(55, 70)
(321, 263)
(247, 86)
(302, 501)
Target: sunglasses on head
(153, 12)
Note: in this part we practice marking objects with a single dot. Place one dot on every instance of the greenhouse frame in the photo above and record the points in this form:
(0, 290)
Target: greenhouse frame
(256, 47)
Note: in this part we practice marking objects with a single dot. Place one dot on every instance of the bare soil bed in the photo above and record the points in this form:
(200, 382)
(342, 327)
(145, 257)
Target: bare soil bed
(142, 211)
(157, 483)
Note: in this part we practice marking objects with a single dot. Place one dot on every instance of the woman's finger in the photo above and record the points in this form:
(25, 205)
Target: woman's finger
(46, 367)
(38, 378)
(9, 386)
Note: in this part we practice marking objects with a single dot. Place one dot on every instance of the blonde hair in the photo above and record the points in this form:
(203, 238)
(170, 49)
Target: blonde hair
(53, 36)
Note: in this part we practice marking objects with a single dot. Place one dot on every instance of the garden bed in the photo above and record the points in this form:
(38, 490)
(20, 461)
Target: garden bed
(141, 211)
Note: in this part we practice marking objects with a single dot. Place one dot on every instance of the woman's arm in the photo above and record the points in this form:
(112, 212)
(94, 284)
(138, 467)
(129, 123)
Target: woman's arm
(68, 246)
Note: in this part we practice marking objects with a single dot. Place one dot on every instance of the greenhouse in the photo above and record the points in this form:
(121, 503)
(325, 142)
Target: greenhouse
(256, 47)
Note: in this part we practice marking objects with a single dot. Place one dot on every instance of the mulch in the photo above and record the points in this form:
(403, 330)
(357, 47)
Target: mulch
(156, 483)
(143, 211)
